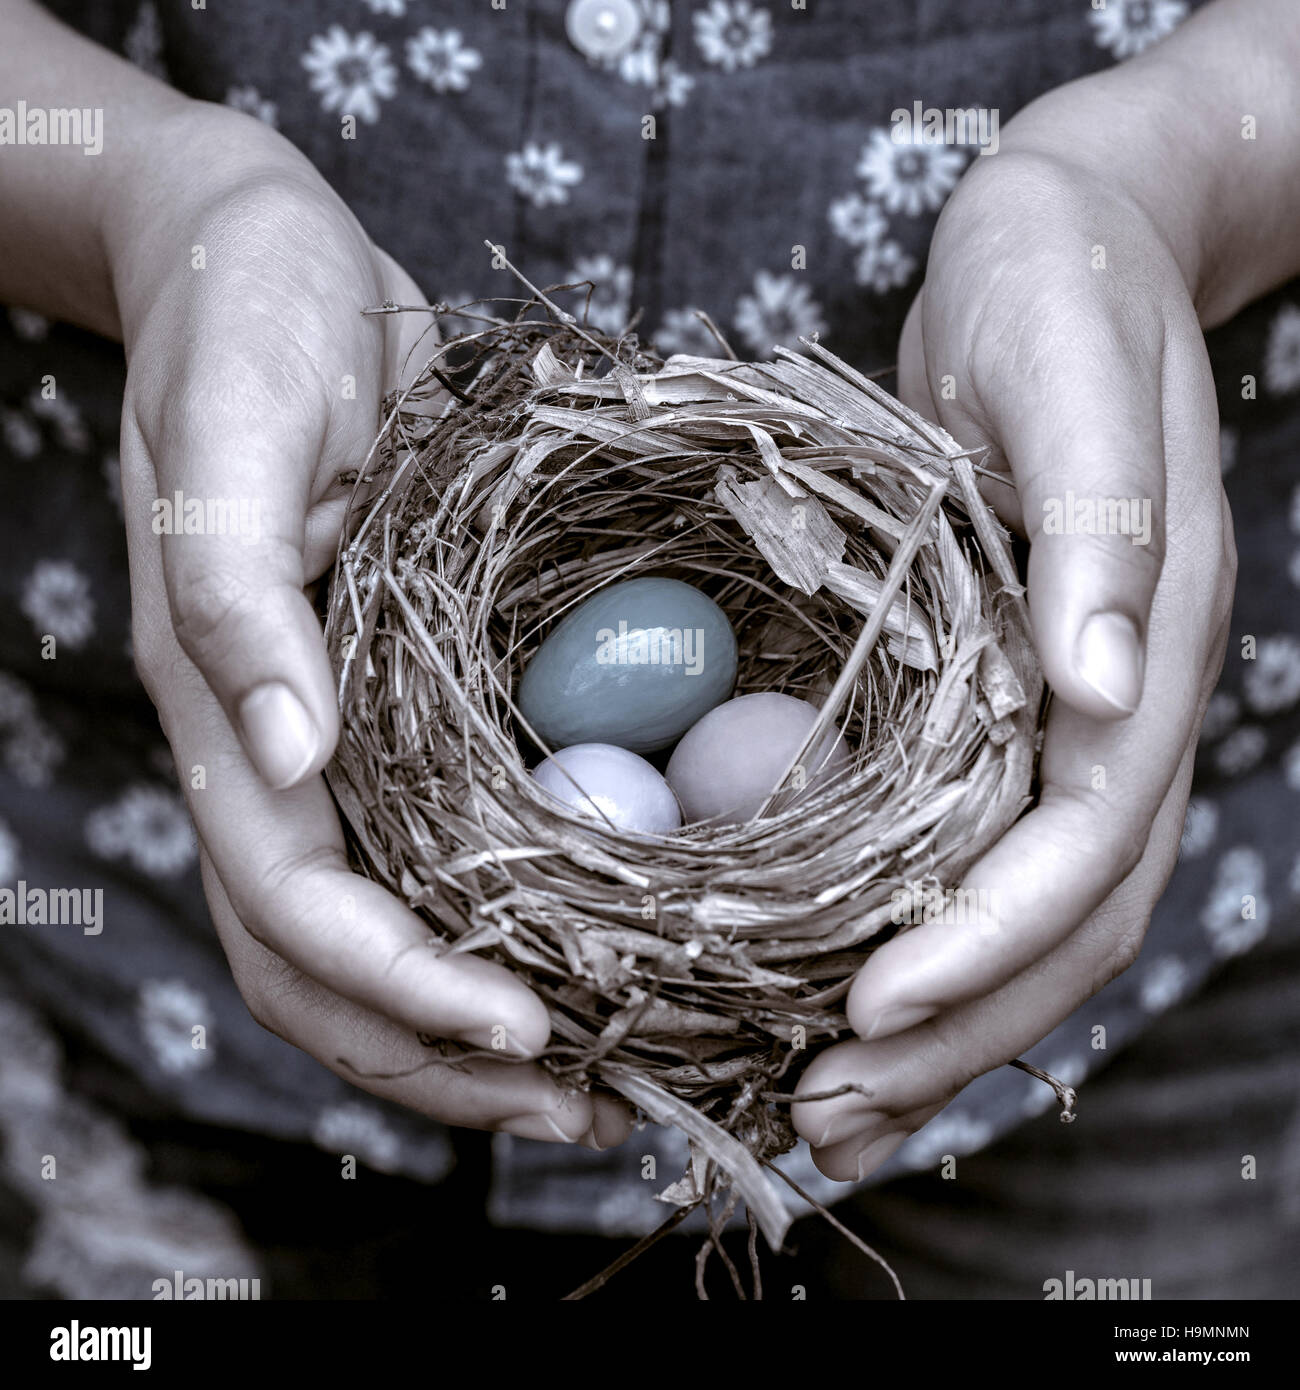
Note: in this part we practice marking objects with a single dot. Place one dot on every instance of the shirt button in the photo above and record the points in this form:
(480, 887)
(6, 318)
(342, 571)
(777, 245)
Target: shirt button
(602, 29)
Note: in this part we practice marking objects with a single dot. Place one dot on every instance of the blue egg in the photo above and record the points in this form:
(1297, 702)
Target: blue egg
(634, 665)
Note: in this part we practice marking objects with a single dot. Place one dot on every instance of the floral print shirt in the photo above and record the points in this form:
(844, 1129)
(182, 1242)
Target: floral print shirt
(771, 196)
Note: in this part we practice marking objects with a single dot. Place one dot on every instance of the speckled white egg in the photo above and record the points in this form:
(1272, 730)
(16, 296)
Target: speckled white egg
(600, 779)
(728, 762)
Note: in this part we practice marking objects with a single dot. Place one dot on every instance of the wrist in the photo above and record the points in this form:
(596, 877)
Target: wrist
(1199, 135)
(187, 164)
(1131, 138)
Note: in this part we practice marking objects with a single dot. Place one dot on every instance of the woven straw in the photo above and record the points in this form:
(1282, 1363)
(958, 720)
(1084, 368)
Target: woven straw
(844, 537)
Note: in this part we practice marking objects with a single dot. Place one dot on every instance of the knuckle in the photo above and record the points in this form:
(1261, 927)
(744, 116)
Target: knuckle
(1228, 560)
(1131, 561)
(163, 670)
(1223, 603)
(297, 226)
(1131, 849)
(952, 1067)
(961, 1073)
(1122, 946)
(948, 1053)
(275, 209)
(284, 879)
(270, 200)
(151, 655)
(208, 605)
(272, 899)
(1038, 184)
(275, 992)
(1115, 840)
(1107, 522)
(261, 1009)
(1129, 945)
(1136, 327)
(261, 994)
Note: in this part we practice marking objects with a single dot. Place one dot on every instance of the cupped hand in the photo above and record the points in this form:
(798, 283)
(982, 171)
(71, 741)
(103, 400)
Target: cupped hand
(255, 381)
(1055, 330)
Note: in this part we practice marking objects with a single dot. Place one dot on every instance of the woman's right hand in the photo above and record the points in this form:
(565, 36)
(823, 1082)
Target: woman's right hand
(253, 377)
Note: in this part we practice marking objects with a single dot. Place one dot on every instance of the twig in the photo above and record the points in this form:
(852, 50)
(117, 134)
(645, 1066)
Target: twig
(839, 1226)
(1066, 1095)
(717, 1224)
(388, 307)
(701, 1260)
(570, 320)
(913, 539)
(754, 1269)
(717, 333)
(600, 1280)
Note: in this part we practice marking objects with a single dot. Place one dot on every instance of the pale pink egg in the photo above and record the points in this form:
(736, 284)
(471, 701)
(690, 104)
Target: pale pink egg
(729, 761)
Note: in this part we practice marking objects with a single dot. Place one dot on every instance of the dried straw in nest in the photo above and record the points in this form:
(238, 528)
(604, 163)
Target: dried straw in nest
(536, 461)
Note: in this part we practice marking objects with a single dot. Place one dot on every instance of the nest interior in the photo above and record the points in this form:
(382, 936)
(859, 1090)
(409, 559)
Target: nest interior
(846, 541)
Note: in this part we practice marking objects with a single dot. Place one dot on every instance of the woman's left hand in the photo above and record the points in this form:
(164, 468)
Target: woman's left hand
(1085, 384)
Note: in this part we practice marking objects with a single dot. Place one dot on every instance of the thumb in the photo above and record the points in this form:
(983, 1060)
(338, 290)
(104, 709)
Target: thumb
(233, 482)
(1078, 421)
(1083, 433)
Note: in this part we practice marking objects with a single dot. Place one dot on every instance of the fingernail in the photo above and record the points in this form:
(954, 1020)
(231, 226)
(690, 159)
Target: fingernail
(589, 1140)
(1108, 659)
(610, 1125)
(845, 1124)
(499, 1040)
(897, 1017)
(878, 1151)
(535, 1127)
(279, 734)
(601, 1136)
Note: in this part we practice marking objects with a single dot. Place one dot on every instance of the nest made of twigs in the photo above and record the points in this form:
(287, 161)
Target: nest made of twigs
(535, 462)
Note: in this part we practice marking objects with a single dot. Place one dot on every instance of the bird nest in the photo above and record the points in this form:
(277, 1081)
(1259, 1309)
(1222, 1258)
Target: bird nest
(536, 461)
